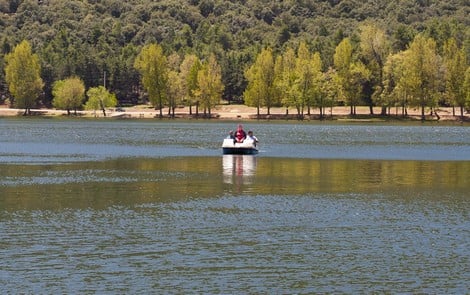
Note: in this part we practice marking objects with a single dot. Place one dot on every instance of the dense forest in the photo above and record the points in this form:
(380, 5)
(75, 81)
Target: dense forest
(99, 40)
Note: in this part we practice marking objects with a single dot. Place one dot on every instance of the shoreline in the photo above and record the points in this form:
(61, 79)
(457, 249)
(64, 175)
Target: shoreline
(243, 113)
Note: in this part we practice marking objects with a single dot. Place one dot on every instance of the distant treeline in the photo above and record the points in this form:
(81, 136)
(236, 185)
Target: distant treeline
(99, 41)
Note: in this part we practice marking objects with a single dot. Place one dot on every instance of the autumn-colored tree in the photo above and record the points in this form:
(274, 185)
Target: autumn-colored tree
(68, 94)
(152, 65)
(22, 74)
(99, 98)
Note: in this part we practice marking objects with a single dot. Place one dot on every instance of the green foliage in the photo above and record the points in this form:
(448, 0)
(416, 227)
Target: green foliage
(466, 87)
(455, 62)
(152, 65)
(99, 99)
(210, 86)
(260, 76)
(22, 75)
(189, 69)
(88, 38)
(68, 94)
(423, 78)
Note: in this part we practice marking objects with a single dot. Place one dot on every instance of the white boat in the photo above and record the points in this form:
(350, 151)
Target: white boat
(247, 147)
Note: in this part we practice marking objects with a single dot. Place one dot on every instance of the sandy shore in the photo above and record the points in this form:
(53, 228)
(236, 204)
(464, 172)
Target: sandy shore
(242, 112)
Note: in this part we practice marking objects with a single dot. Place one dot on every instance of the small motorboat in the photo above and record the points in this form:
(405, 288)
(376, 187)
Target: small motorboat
(247, 147)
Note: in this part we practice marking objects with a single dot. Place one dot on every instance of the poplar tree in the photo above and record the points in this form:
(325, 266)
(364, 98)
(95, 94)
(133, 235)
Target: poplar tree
(260, 76)
(352, 76)
(422, 73)
(68, 94)
(305, 81)
(395, 91)
(466, 87)
(188, 71)
(210, 86)
(99, 98)
(175, 90)
(152, 65)
(22, 74)
(375, 48)
(455, 62)
(342, 61)
(288, 80)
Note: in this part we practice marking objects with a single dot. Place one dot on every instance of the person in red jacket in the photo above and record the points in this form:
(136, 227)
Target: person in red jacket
(240, 134)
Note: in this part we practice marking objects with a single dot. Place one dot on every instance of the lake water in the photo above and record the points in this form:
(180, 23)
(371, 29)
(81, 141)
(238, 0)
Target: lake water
(153, 207)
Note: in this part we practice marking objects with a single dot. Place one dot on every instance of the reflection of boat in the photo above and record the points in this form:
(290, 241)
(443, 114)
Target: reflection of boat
(247, 147)
(238, 168)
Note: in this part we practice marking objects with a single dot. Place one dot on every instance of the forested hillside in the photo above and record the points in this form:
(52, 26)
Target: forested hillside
(100, 39)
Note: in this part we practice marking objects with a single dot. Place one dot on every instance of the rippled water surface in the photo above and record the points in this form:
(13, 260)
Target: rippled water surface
(152, 206)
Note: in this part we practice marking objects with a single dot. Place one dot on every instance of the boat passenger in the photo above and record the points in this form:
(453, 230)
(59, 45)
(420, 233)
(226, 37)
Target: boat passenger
(230, 135)
(252, 137)
(240, 134)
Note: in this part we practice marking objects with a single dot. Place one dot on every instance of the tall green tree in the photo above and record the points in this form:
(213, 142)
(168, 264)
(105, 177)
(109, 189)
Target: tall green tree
(352, 76)
(455, 61)
(328, 91)
(395, 92)
(288, 82)
(305, 81)
(175, 91)
(152, 65)
(466, 87)
(99, 98)
(189, 69)
(358, 76)
(68, 94)
(342, 61)
(375, 47)
(210, 86)
(22, 74)
(423, 73)
(260, 78)
(318, 97)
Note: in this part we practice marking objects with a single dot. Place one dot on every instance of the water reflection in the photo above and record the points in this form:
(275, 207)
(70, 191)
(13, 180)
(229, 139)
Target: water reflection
(239, 169)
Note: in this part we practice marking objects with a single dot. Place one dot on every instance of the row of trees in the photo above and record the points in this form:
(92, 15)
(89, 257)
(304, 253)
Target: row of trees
(90, 38)
(26, 85)
(167, 81)
(371, 74)
(368, 74)
(172, 82)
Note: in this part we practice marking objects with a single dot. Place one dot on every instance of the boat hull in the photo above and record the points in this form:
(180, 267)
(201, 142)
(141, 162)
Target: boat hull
(229, 147)
(239, 151)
